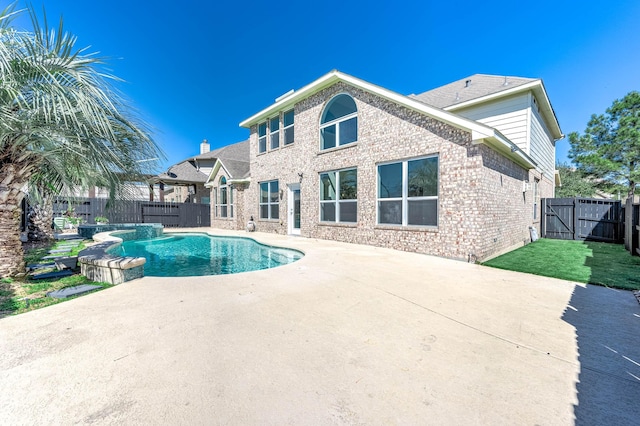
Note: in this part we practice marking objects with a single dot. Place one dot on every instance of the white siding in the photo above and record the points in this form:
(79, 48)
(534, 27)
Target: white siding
(509, 116)
(543, 148)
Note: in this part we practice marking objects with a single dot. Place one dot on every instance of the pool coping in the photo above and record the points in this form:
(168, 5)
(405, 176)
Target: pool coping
(97, 264)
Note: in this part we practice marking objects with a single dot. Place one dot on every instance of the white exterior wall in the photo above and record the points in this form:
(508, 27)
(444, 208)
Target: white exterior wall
(510, 116)
(543, 147)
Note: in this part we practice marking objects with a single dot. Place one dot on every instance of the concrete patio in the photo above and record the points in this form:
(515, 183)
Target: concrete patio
(350, 334)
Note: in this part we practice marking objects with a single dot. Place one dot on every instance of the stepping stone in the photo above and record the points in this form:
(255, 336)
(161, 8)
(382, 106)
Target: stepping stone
(53, 256)
(60, 250)
(73, 291)
(70, 262)
(40, 266)
(55, 274)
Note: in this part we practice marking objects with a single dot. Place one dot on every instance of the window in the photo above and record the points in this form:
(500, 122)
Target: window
(269, 200)
(408, 192)
(262, 137)
(339, 122)
(274, 132)
(225, 200)
(338, 196)
(287, 121)
(536, 197)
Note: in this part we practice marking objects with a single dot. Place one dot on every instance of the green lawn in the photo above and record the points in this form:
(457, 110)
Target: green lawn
(22, 295)
(582, 261)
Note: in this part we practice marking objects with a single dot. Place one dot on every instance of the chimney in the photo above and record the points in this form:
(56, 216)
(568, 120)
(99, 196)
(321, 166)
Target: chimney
(204, 146)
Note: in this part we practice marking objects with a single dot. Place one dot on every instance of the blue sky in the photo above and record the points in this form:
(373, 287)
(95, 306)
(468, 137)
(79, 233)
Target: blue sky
(195, 69)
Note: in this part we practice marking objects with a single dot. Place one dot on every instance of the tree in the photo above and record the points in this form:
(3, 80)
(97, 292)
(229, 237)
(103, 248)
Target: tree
(574, 184)
(608, 152)
(62, 125)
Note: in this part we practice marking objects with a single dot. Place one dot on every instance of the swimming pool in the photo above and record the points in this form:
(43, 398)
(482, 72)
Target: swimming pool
(187, 255)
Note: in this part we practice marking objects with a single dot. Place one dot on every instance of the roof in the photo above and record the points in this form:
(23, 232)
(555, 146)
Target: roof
(187, 171)
(480, 133)
(469, 88)
(479, 88)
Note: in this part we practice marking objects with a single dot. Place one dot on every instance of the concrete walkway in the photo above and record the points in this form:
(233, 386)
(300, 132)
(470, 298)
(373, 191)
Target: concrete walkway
(350, 334)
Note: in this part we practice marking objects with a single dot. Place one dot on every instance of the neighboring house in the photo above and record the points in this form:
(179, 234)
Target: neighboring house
(457, 171)
(185, 181)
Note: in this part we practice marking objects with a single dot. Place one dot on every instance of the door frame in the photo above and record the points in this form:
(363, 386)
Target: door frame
(291, 188)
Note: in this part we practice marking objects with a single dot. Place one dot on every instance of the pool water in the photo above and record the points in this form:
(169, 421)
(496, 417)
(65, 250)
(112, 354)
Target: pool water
(187, 255)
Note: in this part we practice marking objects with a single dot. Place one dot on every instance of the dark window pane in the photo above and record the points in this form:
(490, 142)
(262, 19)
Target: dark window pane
(328, 137)
(262, 144)
(390, 180)
(264, 211)
(274, 191)
(423, 212)
(328, 186)
(390, 212)
(348, 131)
(223, 211)
(223, 195)
(288, 136)
(288, 118)
(264, 192)
(348, 211)
(262, 129)
(328, 212)
(275, 211)
(348, 184)
(338, 107)
(275, 140)
(423, 177)
(274, 124)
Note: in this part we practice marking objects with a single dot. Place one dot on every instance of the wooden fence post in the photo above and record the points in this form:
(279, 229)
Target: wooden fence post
(628, 226)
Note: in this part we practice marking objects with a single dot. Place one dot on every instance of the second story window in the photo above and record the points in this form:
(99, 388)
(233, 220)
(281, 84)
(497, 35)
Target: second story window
(339, 122)
(274, 132)
(262, 137)
(287, 122)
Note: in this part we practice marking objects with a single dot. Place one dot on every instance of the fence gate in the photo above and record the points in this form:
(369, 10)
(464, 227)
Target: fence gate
(582, 219)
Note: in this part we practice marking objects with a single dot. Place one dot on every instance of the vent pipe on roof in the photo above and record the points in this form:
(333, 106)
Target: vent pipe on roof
(505, 81)
(467, 83)
(204, 146)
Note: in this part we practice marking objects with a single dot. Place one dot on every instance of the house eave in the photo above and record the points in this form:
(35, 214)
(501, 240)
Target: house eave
(537, 87)
(504, 146)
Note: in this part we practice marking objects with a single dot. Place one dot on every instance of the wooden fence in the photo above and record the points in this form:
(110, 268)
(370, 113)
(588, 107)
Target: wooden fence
(632, 227)
(582, 219)
(175, 215)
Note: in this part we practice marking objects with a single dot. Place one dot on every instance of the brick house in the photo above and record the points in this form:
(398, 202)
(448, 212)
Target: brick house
(457, 171)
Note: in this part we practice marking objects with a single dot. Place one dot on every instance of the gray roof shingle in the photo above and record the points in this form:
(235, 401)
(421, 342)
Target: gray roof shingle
(469, 88)
(187, 171)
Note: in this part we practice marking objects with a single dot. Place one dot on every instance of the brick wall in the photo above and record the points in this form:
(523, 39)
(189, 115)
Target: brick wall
(481, 204)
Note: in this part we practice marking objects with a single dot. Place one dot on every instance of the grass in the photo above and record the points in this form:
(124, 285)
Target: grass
(23, 295)
(605, 264)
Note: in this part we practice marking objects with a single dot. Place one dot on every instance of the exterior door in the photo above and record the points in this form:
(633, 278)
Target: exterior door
(294, 209)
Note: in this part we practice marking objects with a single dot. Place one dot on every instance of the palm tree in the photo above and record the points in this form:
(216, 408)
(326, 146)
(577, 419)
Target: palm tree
(62, 125)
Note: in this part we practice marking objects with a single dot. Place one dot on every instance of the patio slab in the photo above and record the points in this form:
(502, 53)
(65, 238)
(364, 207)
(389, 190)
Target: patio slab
(350, 334)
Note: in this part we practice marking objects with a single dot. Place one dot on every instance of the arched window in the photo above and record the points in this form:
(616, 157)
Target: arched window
(225, 200)
(339, 122)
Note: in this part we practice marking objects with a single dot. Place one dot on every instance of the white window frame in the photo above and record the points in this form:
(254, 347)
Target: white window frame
(288, 128)
(262, 139)
(336, 122)
(405, 194)
(224, 188)
(269, 202)
(274, 135)
(337, 202)
(536, 197)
